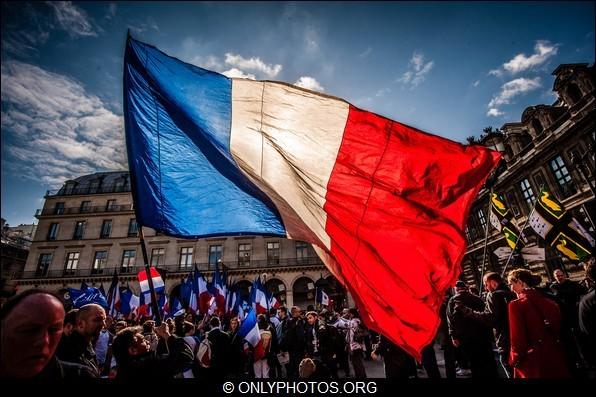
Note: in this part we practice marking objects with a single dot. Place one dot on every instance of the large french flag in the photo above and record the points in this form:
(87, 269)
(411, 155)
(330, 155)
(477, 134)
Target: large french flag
(384, 204)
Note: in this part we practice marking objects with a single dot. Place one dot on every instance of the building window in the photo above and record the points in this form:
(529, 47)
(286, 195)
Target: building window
(133, 228)
(574, 93)
(215, 254)
(468, 236)
(301, 252)
(69, 187)
(106, 229)
(99, 263)
(537, 125)
(72, 261)
(119, 185)
(244, 253)
(128, 261)
(53, 231)
(59, 209)
(511, 201)
(158, 256)
(185, 257)
(43, 264)
(559, 170)
(94, 186)
(539, 179)
(482, 220)
(527, 192)
(79, 230)
(86, 206)
(273, 253)
(111, 205)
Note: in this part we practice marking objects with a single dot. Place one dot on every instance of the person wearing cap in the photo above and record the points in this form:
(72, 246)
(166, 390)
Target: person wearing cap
(474, 339)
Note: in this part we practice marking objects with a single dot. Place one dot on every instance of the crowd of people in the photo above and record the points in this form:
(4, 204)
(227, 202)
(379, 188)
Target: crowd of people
(517, 330)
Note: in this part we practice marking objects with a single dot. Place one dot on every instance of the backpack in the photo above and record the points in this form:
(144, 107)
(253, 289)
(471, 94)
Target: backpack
(360, 333)
(203, 353)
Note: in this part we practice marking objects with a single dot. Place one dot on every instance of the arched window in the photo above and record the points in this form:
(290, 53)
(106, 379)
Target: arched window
(574, 93)
(537, 125)
(278, 289)
(304, 292)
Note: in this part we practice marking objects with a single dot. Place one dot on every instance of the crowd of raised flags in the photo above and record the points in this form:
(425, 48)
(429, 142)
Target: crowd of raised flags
(197, 296)
(550, 221)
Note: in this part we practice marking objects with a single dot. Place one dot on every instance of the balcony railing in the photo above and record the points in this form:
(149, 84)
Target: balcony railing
(84, 190)
(82, 210)
(203, 267)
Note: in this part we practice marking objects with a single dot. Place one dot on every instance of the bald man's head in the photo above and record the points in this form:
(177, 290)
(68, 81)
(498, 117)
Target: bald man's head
(31, 329)
(91, 319)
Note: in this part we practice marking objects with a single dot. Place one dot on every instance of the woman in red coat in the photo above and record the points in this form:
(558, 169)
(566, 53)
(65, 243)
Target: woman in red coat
(535, 330)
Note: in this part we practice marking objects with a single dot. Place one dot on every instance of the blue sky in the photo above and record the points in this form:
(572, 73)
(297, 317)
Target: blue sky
(449, 68)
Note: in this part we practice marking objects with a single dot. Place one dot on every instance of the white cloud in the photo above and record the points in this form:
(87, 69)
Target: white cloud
(144, 26)
(60, 130)
(543, 50)
(309, 83)
(513, 88)
(236, 73)
(73, 19)
(476, 83)
(365, 53)
(254, 64)
(111, 13)
(418, 69)
(210, 62)
(382, 92)
(311, 38)
(494, 112)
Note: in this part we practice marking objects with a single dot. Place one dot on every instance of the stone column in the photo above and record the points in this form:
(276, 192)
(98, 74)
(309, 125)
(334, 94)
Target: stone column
(289, 299)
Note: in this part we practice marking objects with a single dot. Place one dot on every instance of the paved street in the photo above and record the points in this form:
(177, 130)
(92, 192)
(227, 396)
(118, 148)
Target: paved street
(375, 369)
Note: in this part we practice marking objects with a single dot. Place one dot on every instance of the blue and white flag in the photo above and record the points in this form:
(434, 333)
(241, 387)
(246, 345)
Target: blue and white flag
(81, 298)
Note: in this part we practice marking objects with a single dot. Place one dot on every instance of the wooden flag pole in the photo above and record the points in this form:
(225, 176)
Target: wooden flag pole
(521, 232)
(154, 305)
(480, 283)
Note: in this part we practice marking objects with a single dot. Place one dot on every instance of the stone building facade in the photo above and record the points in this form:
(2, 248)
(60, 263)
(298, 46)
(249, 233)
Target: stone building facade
(87, 230)
(552, 146)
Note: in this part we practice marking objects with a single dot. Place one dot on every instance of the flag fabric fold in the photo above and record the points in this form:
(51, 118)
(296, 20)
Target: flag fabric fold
(114, 296)
(87, 295)
(384, 204)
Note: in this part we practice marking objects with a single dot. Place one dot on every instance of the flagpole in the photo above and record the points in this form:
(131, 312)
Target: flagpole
(521, 232)
(490, 194)
(154, 305)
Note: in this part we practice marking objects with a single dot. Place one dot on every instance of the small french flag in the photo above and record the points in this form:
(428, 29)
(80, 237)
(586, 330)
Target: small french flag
(158, 283)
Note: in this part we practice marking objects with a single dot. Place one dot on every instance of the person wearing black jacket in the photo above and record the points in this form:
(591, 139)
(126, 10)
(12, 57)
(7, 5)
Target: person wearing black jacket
(237, 361)
(220, 349)
(78, 346)
(294, 341)
(319, 343)
(136, 362)
(474, 338)
(495, 315)
(587, 320)
(398, 363)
